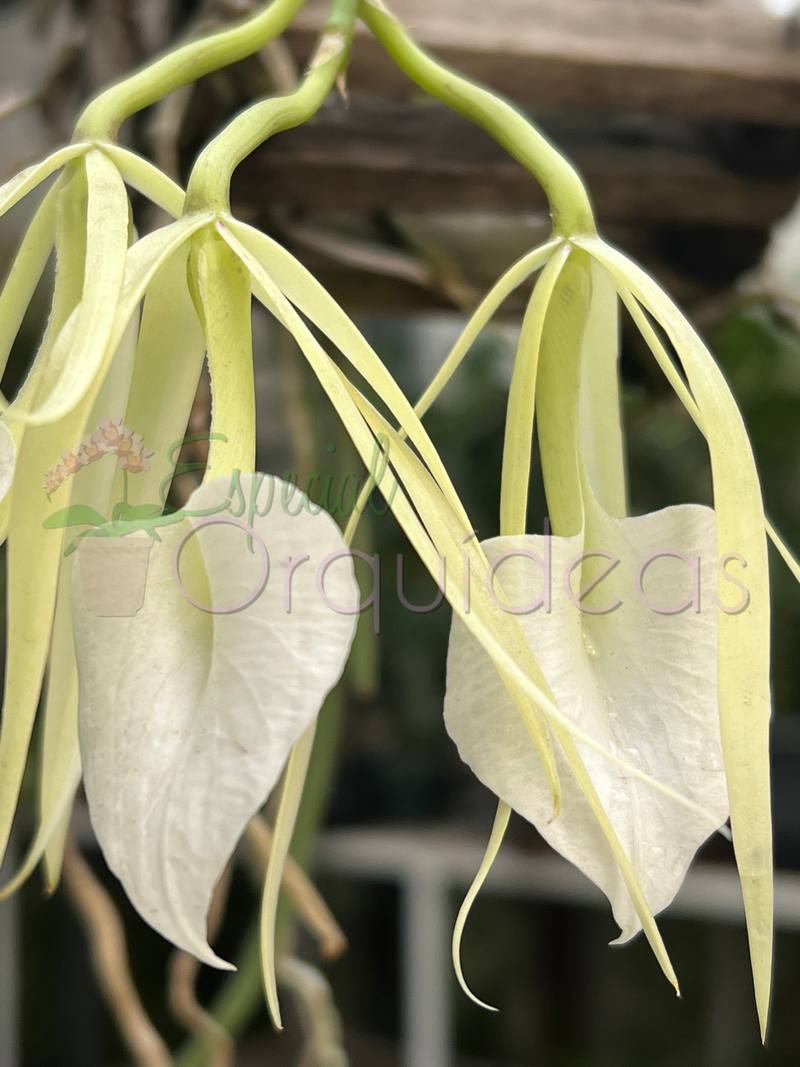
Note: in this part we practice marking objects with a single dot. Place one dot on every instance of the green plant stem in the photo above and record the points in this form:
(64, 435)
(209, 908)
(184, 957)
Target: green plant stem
(209, 183)
(569, 200)
(124, 485)
(104, 115)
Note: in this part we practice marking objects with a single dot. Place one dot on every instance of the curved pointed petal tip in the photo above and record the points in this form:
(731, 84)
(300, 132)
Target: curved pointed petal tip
(640, 681)
(190, 705)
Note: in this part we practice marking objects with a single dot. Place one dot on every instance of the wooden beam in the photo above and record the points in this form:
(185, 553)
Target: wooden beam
(385, 155)
(701, 58)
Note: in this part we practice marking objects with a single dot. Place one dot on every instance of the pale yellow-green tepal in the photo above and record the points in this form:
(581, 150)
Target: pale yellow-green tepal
(665, 692)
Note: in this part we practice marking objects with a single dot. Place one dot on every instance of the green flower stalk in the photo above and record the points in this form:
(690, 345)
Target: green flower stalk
(567, 366)
(85, 215)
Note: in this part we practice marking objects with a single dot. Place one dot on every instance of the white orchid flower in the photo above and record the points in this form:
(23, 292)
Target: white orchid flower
(664, 694)
(85, 216)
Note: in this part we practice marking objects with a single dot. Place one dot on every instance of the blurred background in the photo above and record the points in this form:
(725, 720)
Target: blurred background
(684, 117)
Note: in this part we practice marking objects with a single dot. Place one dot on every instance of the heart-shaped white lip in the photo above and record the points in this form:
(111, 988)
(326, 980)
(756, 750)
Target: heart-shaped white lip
(190, 705)
(640, 681)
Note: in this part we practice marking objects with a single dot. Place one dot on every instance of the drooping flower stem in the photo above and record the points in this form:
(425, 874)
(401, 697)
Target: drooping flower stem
(209, 184)
(105, 114)
(569, 200)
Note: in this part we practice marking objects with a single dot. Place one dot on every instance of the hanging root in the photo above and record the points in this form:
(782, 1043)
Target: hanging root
(277, 60)
(322, 1027)
(310, 906)
(106, 936)
(183, 1002)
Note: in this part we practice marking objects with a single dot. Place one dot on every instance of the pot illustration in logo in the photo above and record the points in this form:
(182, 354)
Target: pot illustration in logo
(114, 573)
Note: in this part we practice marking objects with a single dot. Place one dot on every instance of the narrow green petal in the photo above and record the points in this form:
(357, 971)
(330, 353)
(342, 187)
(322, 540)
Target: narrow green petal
(602, 446)
(145, 260)
(672, 374)
(492, 848)
(293, 781)
(223, 286)
(70, 257)
(34, 563)
(147, 179)
(784, 551)
(60, 770)
(61, 759)
(79, 367)
(14, 190)
(557, 393)
(26, 270)
(54, 853)
(50, 828)
(519, 420)
(106, 250)
(744, 696)
(33, 555)
(309, 296)
(501, 289)
(169, 359)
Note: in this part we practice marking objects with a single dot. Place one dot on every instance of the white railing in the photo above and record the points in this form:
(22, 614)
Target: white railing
(428, 864)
